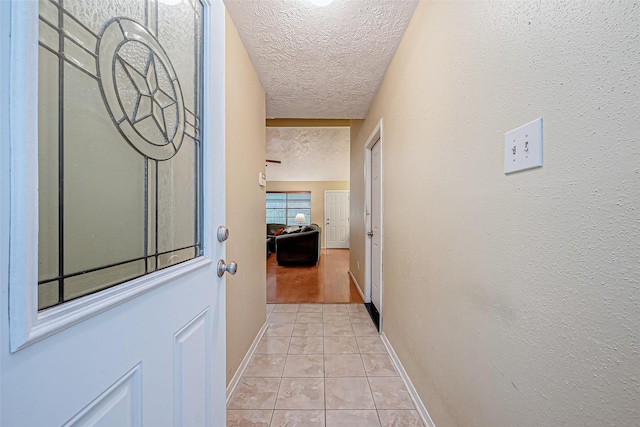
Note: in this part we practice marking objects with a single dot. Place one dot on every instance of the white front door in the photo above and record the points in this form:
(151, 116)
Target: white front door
(336, 214)
(113, 313)
(376, 249)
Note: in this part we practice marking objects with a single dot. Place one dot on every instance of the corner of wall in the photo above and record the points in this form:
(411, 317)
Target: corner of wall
(356, 207)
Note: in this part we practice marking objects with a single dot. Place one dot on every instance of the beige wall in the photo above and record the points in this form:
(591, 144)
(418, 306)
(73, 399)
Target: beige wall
(317, 189)
(512, 300)
(245, 136)
(357, 233)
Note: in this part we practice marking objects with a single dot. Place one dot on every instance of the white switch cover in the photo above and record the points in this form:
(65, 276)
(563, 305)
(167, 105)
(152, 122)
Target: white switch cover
(523, 147)
(262, 179)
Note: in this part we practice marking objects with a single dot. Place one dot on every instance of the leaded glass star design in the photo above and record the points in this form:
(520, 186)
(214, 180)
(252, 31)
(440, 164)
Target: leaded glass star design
(141, 89)
(151, 101)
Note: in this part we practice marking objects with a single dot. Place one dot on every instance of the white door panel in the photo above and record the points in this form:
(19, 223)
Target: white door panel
(119, 405)
(376, 250)
(148, 352)
(337, 219)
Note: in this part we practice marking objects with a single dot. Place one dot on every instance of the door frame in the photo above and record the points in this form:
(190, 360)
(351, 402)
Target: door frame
(326, 235)
(375, 137)
(26, 324)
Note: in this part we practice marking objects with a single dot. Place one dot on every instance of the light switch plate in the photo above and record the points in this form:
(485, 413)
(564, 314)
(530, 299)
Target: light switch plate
(523, 147)
(262, 179)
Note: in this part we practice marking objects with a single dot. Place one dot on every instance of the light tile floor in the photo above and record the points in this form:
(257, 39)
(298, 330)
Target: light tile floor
(321, 365)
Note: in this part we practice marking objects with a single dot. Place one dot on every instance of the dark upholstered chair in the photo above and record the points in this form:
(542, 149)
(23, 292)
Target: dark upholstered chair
(299, 248)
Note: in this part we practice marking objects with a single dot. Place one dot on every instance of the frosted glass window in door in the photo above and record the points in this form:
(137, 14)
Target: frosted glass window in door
(119, 142)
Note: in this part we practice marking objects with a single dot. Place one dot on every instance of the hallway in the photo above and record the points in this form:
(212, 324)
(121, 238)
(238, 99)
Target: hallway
(321, 365)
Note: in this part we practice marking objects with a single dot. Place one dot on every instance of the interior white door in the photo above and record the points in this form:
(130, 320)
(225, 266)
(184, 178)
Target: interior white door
(376, 249)
(150, 351)
(336, 214)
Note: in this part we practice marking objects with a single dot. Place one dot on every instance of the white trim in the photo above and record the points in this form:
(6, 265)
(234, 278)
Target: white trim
(26, 324)
(5, 177)
(422, 410)
(213, 130)
(213, 185)
(23, 142)
(375, 137)
(55, 319)
(326, 235)
(245, 362)
(357, 284)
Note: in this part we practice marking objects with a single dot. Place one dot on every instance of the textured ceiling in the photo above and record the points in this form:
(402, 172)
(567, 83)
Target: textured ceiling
(320, 62)
(308, 154)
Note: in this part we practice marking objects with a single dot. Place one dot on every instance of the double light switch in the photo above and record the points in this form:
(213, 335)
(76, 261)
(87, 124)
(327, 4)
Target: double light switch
(523, 147)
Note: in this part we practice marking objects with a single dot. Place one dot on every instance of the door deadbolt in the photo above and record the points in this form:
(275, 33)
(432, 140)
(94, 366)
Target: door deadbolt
(223, 233)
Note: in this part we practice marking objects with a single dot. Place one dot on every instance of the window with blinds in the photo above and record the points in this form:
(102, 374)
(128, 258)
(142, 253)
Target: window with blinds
(282, 207)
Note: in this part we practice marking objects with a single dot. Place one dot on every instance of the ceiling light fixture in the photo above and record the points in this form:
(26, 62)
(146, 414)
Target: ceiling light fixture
(321, 3)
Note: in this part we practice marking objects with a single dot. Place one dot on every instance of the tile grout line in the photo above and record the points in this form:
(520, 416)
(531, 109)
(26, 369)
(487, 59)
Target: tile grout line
(375, 404)
(275, 402)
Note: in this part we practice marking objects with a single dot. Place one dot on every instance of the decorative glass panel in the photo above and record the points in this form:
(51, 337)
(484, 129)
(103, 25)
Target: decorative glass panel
(48, 294)
(48, 254)
(119, 142)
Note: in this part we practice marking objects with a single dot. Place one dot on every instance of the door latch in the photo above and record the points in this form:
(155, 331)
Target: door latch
(230, 268)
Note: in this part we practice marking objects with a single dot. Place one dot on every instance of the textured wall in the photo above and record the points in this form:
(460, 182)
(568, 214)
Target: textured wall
(514, 300)
(245, 133)
(317, 189)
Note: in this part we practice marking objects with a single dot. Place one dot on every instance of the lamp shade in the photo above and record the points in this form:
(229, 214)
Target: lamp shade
(299, 218)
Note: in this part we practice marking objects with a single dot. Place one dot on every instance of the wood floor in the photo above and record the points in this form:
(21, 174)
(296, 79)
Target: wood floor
(328, 282)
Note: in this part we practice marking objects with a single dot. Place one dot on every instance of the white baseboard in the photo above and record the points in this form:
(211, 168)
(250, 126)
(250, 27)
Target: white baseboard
(426, 418)
(357, 285)
(245, 362)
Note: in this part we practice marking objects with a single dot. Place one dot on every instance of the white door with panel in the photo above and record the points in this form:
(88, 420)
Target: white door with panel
(336, 214)
(375, 233)
(115, 308)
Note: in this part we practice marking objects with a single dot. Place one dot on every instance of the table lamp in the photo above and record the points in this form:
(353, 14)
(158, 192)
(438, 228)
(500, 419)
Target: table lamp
(300, 218)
